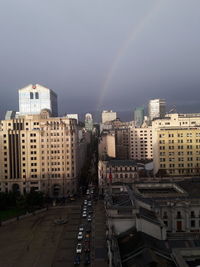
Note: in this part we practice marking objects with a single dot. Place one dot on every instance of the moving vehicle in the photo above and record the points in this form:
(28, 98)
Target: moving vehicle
(79, 248)
(84, 208)
(84, 215)
(81, 228)
(89, 218)
(80, 235)
(77, 260)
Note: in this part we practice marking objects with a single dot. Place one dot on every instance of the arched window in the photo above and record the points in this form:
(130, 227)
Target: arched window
(31, 95)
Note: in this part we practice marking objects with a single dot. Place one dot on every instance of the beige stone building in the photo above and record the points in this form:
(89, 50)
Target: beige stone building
(176, 146)
(107, 145)
(108, 115)
(38, 152)
(140, 143)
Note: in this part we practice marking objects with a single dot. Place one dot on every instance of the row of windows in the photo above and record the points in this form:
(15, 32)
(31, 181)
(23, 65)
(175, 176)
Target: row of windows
(180, 165)
(122, 169)
(178, 147)
(179, 214)
(126, 175)
(179, 159)
(178, 141)
(179, 135)
(170, 153)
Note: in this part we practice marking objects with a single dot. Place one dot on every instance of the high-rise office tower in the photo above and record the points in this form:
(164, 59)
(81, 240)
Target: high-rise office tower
(108, 115)
(34, 98)
(88, 122)
(156, 108)
(139, 116)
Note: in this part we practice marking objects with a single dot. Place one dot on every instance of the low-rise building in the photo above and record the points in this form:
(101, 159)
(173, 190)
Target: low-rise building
(111, 171)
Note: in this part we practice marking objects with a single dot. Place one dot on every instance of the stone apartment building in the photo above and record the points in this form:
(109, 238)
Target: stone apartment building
(39, 152)
(176, 145)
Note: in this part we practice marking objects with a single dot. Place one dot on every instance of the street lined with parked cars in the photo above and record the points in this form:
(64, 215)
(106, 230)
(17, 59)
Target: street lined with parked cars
(83, 248)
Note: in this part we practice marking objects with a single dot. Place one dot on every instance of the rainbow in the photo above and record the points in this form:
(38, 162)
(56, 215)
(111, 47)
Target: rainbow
(124, 47)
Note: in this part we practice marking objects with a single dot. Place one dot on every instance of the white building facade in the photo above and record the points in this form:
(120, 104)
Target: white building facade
(34, 98)
(108, 115)
(157, 108)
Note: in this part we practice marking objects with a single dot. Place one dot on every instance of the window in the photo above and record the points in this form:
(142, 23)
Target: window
(31, 95)
(192, 223)
(36, 95)
(180, 147)
(162, 159)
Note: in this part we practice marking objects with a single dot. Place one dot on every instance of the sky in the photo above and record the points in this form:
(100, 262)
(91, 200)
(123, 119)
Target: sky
(101, 54)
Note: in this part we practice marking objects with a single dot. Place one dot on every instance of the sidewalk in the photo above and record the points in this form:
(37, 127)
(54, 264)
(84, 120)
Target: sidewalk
(99, 253)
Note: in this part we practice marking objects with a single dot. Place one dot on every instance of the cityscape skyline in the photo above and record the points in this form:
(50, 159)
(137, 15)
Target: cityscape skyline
(112, 68)
(100, 155)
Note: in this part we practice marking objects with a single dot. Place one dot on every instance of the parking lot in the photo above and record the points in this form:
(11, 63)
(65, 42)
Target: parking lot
(38, 241)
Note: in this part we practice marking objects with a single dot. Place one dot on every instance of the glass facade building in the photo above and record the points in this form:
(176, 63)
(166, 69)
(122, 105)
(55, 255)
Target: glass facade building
(139, 116)
(88, 122)
(157, 108)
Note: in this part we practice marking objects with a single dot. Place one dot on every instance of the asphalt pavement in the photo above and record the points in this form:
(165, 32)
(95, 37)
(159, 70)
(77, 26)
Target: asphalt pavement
(37, 241)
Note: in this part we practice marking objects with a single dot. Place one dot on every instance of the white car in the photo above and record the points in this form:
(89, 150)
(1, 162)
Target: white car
(89, 218)
(84, 208)
(80, 235)
(89, 203)
(84, 215)
(85, 202)
(79, 248)
(81, 228)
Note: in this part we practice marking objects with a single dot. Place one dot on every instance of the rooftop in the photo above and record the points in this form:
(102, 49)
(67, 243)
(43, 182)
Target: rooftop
(122, 163)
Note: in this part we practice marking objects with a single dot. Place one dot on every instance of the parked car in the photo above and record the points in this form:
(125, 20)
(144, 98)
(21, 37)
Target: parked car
(89, 218)
(84, 215)
(88, 229)
(77, 260)
(89, 203)
(79, 248)
(84, 208)
(80, 235)
(81, 228)
(90, 210)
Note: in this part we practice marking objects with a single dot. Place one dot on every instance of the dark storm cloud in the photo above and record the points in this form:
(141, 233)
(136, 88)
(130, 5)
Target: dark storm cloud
(101, 54)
